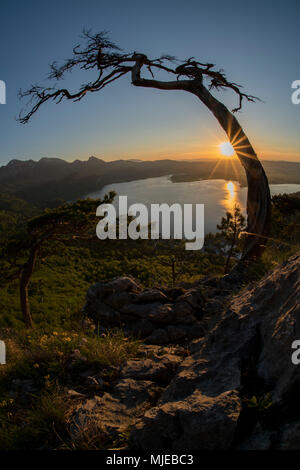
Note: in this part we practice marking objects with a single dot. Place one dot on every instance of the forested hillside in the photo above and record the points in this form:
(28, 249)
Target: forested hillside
(49, 181)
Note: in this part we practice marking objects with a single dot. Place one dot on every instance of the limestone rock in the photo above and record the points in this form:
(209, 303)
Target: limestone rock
(200, 422)
(159, 369)
(113, 413)
(201, 406)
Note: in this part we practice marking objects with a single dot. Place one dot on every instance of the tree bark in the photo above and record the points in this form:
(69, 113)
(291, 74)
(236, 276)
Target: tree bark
(258, 197)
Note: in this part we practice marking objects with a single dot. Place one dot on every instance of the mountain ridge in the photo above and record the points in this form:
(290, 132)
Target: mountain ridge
(52, 178)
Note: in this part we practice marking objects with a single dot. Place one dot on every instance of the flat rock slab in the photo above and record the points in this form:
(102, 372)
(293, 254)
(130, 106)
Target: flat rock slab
(112, 414)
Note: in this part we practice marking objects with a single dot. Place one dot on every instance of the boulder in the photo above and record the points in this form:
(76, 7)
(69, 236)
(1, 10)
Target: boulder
(152, 314)
(104, 299)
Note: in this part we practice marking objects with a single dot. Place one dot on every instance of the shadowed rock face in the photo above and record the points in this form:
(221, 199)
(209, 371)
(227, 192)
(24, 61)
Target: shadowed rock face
(203, 400)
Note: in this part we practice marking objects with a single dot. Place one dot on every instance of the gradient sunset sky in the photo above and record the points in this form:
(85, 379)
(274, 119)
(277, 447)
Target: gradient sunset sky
(255, 42)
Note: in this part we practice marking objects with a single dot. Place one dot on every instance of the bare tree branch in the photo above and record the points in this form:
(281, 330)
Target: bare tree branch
(111, 63)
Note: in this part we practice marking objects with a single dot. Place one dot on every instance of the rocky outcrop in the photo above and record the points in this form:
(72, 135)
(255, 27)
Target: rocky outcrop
(246, 353)
(235, 387)
(158, 316)
(137, 389)
(111, 414)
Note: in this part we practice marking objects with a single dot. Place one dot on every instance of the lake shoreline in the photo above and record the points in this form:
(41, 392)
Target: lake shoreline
(217, 195)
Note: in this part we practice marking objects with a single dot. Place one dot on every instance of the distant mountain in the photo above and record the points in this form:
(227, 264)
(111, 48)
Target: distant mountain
(41, 182)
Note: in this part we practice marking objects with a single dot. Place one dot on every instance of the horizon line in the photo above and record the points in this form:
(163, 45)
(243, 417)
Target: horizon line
(128, 159)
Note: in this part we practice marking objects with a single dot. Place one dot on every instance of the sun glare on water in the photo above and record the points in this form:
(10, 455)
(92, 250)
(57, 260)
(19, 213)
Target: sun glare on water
(231, 189)
(226, 149)
(231, 196)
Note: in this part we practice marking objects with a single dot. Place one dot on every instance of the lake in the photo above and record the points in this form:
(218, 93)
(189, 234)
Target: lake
(218, 196)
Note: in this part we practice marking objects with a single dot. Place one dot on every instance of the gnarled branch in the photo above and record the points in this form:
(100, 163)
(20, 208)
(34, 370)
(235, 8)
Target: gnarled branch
(111, 63)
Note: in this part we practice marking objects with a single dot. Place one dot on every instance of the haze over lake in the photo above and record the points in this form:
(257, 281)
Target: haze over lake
(218, 196)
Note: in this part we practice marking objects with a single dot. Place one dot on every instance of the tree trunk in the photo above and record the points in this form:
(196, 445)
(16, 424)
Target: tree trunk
(24, 283)
(258, 198)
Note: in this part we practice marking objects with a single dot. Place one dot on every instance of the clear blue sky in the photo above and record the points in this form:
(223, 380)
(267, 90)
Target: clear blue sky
(256, 42)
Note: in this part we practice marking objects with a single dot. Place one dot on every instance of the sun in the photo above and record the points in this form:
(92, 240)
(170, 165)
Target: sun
(226, 149)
